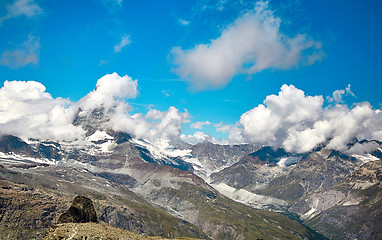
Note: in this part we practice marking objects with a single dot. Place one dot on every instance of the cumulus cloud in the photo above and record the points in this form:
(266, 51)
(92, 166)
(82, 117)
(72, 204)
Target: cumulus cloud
(199, 125)
(155, 124)
(251, 44)
(125, 40)
(298, 122)
(26, 53)
(27, 110)
(111, 91)
(18, 8)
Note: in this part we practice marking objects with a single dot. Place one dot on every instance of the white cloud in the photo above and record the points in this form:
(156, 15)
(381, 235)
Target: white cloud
(362, 148)
(21, 7)
(348, 91)
(167, 93)
(249, 45)
(26, 53)
(338, 94)
(199, 125)
(184, 22)
(125, 40)
(110, 92)
(197, 137)
(298, 122)
(155, 124)
(27, 110)
(235, 135)
(225, 128)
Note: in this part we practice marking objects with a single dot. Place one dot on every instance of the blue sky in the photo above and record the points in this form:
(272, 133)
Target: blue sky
(68, 45)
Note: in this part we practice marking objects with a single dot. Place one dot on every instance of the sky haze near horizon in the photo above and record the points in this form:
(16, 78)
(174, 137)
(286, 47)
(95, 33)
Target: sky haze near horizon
(218, 59)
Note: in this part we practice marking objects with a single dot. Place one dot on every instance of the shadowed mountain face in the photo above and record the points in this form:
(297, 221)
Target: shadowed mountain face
(12, 144)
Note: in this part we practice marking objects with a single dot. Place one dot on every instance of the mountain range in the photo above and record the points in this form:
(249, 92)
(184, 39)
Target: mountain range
(172, 189)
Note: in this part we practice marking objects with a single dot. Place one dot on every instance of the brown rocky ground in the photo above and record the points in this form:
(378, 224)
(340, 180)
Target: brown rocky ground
(26, 212)
(94, 231)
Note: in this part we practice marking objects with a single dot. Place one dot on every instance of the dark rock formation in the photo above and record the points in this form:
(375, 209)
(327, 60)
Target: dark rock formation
(81, 211)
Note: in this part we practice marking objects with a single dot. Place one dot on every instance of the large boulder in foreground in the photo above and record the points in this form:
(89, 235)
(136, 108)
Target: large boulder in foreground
(81, 211)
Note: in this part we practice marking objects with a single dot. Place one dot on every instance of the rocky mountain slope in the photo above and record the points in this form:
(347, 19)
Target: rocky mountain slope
(322, 187)
(169, 189)
(95, 231)
(138, 194)
(32, 202)
(214, 157)
(80, 222)
(351, 209)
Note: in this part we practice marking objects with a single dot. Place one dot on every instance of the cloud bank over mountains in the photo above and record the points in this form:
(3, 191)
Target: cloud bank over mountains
(251, 44)
(298, 122)
(27, 110)
(291, 119)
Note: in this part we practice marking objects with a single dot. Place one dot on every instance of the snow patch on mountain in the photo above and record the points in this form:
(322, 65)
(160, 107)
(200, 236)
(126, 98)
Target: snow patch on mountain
(365, 158)
(19, 159)
(98, 136)
(249, 198)
(161, 149)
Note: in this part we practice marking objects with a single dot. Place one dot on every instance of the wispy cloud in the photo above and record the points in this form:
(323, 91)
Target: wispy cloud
(112, 5)
(225, 128)
(18, 8)
(199, 125)
(167, 93)
(125, 40)
(102, 62)
(249, 45)
(184, 22)
(338, 94)
(26, 53)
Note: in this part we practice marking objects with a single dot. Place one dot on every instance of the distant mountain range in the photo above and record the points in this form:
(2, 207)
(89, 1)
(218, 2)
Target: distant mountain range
(173, 189)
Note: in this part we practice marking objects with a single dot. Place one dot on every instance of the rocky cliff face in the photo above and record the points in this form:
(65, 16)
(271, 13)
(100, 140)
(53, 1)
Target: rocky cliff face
(214, 157)
(316, 171)
(254, 170)
(352, 207)
(332, 192)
